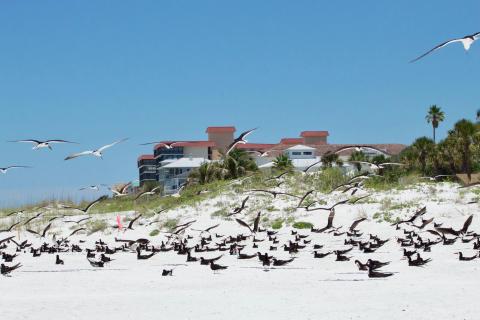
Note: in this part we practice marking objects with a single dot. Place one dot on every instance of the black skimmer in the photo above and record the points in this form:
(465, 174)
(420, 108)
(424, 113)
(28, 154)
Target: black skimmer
(39, 144)
(96, 153)
(6, 169)
(466, 41)
(240, 140)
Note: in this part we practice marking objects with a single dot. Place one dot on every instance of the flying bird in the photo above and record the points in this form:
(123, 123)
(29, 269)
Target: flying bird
(130, 225)
(44, 232)
(240, 140)
(93, 187)
(89, 206)
(5, 169)
(147, 193)
(10, 228)
(97, 153)
(466, 41)
(39, 144)
(359, 149)
(356, 223)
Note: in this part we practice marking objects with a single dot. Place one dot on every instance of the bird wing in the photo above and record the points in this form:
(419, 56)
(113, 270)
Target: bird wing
(391, 164)
(304, 197)
(356, 222)
(339, 203)
(125, 187)
(233, 145)
(476, 36)
(243, 135)
(426, 222)
(417, 214)
(330, 218)
(346, 148)
(75, 231)
(76, 155)
(84, 219)
(111, 145)
(211, 228)
(312, 165)
(467, 224)
(185, 224)
(244, 202)
(133, 221)
(33, 232)
(16, 167)
(60, 141)
(243, 223)
(364, 162)
(360, 198)
(436, 48)
(149, 143)
(261, 190)
(256, 222)
(140, 194)
(91, 204)
(13, 226)
(28, 141)
(447, 231)
(46, 229)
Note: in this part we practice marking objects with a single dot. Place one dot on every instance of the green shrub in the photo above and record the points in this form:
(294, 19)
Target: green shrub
(154, 233)
(277, 224)
(302, 225)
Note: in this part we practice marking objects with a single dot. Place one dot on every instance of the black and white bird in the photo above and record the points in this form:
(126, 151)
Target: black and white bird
(97, 153)
(89, 206)
(93, 187)
(466, 41)
(5, 169)
(120, 192)
(359, 148)
(152, 192)
(39, 144)
(240, 140)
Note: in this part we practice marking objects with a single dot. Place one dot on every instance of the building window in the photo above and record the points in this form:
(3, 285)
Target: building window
(308, 153)
(296, 153)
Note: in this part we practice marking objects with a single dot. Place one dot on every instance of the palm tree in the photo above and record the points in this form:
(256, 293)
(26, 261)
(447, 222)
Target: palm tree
(237, 163)
(465, 131)
(434, 116)
(207, 172)
(422, 149)
(447, 153)
(358, 156)
(282, 163)
(329, 158)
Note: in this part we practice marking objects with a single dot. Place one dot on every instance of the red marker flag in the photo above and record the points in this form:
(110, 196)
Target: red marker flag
(119, 223)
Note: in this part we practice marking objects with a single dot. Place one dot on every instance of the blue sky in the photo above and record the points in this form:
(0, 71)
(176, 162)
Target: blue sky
(98, 71)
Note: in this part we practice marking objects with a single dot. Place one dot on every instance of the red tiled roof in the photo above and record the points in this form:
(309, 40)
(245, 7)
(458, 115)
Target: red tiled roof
(291, 141)
(307, 134)
(199, 144)
(230, 129)
(146, 157)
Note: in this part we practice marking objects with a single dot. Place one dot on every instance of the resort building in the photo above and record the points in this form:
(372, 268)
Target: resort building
(170, 166)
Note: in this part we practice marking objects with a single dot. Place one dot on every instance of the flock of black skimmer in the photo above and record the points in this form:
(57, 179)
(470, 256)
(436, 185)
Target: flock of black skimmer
(416, 236)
